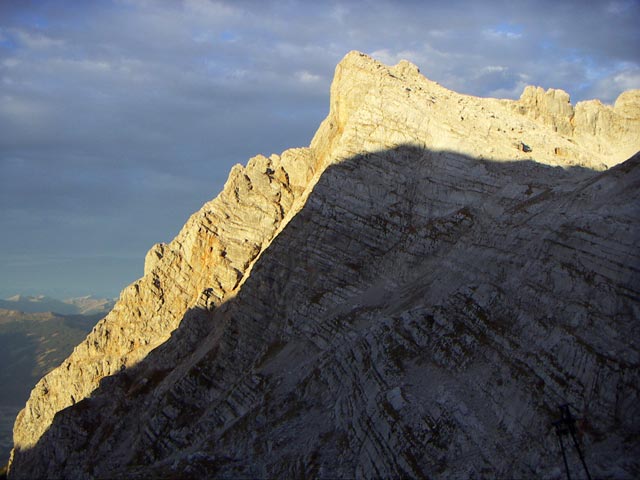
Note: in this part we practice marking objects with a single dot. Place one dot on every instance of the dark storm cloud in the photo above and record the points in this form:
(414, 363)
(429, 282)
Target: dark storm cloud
(119, 118)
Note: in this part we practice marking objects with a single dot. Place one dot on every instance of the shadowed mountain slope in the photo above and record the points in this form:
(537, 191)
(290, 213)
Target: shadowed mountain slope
(424, 314)
(413, 294)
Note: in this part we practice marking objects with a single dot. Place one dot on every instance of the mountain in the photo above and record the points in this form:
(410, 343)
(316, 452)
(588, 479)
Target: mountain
(86, 305)
(413, 295)
(31, 345)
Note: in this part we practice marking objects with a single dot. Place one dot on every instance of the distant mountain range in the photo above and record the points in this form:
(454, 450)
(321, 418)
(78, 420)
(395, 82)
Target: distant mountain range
(87, 305)
(36, 334)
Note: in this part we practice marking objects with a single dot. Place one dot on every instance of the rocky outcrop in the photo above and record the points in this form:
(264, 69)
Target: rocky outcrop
(608, 131)
(413, 294)
(552, 107)
(205, 262)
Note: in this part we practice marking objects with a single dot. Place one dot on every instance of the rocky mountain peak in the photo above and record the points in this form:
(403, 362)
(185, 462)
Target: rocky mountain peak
(414, 294)
(627, 104)
(376, 106)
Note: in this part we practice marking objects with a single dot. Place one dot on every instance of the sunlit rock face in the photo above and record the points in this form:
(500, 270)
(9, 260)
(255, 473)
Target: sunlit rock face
(412, 295)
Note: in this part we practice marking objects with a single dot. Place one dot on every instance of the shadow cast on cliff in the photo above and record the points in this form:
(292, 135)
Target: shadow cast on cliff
(185, 395)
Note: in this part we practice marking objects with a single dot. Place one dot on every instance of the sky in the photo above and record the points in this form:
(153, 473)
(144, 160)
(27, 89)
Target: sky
(120, 118)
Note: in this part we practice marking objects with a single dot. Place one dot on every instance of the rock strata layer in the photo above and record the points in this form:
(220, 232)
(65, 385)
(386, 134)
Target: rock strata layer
(412, 295)
(205, 262)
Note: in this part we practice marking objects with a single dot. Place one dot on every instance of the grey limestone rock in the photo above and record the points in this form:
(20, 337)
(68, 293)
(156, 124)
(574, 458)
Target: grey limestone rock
(411, 296)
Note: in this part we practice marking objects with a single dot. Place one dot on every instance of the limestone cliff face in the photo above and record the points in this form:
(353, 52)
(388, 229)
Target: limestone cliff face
(204, 263)
(375, 107)
(607, 130)
(413, 294)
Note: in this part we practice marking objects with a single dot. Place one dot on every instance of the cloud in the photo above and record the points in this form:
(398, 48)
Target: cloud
(620, 7)
(306, 77)
(36, 40)
(625, 77)
(504, 32)
(124, 116)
